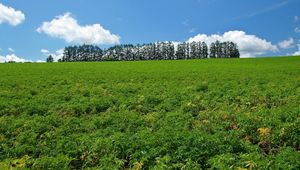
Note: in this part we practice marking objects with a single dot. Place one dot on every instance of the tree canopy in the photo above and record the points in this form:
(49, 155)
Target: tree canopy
(151, 51)
(49, 59)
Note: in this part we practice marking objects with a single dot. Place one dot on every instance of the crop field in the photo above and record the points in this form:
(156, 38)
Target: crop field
(189, 114)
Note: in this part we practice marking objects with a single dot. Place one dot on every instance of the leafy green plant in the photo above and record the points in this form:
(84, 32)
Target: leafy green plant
(195, 114)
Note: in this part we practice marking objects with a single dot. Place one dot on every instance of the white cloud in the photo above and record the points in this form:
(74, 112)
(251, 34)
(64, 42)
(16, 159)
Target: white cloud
(249, 45)
(297, 53)
(296, 18)
(12, 57)
(40, 61)
(58, 54)
(67, 28)
(44, 51)
(11, 50)
(192, 30)
(297, 29)
(10, 15)
(286, 43)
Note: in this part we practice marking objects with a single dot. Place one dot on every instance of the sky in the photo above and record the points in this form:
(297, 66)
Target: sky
(32, 30)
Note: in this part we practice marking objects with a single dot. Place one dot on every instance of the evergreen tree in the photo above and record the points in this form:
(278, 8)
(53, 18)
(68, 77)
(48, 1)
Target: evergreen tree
(171, 54)
(187, 50)
(180, 53)
(199, 50)
(165, 51)
(152, 51)
(194, 53)
(204, 50)
(66, 54)
(224, 49)
(212, 50)
(159, 50)
(218, 49)
(49, 59)
(138, 52)
(236, 52)
(233, 51)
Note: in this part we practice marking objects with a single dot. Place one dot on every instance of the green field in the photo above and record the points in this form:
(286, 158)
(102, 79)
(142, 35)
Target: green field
(189, 114)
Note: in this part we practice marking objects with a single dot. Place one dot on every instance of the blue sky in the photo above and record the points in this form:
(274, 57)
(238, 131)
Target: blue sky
(261, 28)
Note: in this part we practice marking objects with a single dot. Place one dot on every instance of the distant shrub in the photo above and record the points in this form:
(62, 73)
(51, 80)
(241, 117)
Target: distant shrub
(193, 108)
(102, 105)
(86, 93)
(152, 101)
(202, 87)
(36, 109)
(67, 97)
(287, 158)
(33, 92)
(55, 162)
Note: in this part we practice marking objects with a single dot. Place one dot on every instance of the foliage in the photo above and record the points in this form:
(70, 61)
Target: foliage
(193, 114)
(152, 51)
(49, 59)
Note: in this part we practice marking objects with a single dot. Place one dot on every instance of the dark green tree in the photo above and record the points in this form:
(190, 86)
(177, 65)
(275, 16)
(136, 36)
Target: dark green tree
(49, 59)
(152, 51)
(204, 50)
(187, 50)
(194, 53)
(218, 50)
(212, 50)
(180, 53)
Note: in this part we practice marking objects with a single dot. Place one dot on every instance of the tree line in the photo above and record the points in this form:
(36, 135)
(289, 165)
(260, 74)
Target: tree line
(151, 51)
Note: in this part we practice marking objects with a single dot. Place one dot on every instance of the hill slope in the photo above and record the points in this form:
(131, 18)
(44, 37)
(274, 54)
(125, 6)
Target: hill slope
(242, 113)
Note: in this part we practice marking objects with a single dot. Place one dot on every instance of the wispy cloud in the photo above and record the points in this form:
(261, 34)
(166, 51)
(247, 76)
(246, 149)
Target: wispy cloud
(186, 23)
(192, 30)
(11, 50)
(265, 10)
(45, 51)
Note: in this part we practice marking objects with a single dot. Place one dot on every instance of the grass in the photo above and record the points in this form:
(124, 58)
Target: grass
(190, 114)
